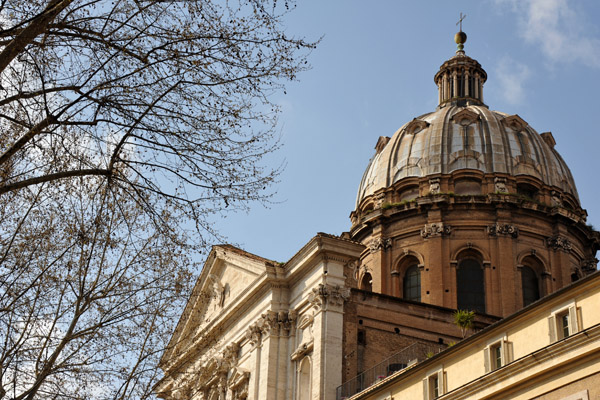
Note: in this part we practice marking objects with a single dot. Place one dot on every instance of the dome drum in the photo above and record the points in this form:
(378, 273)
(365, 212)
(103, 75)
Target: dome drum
(520, 190)
(441, 229)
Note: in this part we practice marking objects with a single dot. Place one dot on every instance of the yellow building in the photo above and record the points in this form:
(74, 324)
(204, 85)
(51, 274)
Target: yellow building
(550, 350)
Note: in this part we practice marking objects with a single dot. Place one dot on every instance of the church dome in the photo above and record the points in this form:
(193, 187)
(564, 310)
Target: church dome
(462, 205)
(463, 134)
(470, 137)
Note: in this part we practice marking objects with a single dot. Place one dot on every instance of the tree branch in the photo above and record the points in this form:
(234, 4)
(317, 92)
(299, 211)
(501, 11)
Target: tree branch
(52, 177)
(35, 27)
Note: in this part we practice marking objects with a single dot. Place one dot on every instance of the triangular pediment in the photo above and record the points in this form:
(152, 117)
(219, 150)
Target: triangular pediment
(515, 122)
(224, 280)
(465, 117)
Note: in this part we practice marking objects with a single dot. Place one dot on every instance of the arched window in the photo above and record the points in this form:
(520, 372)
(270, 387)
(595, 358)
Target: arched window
(366, 282)
(411, 285)
(530, 285)
(470, 285)
(304, 381)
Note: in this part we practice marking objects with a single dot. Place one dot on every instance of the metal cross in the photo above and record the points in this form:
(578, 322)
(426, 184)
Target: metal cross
(461, 20)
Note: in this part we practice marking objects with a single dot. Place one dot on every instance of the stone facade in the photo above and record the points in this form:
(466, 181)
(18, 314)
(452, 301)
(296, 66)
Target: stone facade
(255, 329)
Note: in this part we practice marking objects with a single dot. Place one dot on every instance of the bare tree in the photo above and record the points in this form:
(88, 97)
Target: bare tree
(124, 125)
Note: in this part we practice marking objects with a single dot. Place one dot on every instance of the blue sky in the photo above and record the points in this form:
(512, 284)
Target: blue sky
(373, 72)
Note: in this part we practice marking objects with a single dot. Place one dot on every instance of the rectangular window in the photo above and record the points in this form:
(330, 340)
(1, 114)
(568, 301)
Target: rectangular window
(433, 386)
(497, 354)
(563, 323)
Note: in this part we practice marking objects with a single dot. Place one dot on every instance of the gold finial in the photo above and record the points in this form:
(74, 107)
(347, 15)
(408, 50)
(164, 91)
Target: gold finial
(460, 38)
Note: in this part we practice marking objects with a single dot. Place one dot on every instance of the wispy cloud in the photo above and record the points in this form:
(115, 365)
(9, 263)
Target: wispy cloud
(511, 77)
(559, 30)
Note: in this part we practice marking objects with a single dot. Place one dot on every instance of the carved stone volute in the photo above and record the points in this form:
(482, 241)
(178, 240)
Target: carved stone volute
(503, 229)
(435, 229)
(380, 243)
(558, 242)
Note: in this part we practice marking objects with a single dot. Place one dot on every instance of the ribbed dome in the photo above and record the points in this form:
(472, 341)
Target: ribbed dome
(466, 137)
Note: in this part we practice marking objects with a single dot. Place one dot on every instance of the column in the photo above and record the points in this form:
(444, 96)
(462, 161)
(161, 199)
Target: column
(455, 84)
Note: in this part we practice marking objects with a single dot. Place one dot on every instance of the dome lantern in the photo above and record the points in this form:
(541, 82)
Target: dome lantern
(460, 79)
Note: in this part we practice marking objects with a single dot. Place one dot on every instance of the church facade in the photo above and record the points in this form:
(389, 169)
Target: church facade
(462, 208)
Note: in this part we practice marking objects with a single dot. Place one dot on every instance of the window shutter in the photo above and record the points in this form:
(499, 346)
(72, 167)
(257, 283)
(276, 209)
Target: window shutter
(426, 389)
(445, 375)
(573, 326)
(507, 349)
(441, 383)
(486, 359)
(552, 329)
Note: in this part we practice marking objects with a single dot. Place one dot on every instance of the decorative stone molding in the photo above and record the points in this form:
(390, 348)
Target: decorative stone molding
(238, 384)
(212, 379)
(302, 350)
(379, 200)
(434, 186)
(328, 295)
(589, 265)
(416, 126)
(288, 324)
(352, 266)
(515, 123)
(503, 229)
(465, 117)
(217, 289)
(276, 323)
(230, 353)
(500, 185)
(556, 199)
(380, 244)
(435, 229)
(558, 242)
(268, 323)
(335, 257)
(253, 334)
(381, 143)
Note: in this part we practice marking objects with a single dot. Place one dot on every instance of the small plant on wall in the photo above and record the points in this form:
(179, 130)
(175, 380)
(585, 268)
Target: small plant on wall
(464, 320)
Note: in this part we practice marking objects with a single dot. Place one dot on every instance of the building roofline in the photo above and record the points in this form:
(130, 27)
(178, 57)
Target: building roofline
(476, 336)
